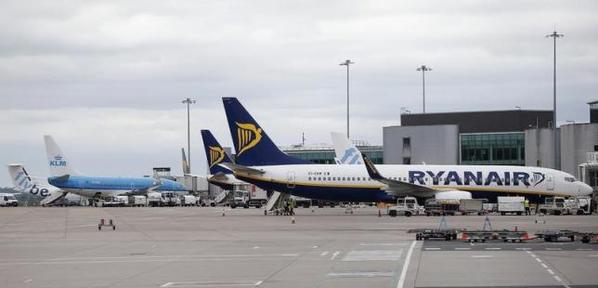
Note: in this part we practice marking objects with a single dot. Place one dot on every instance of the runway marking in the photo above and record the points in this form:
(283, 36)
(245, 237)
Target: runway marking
(401, 281)
(583, 249)
(550, 271)
(545, 266)
(324, 253)
(459, 248)
(481, 256)
(554, 249)
(209, 284)
(538, 259)
(361, 274)
(382, 244)
(523, 249)
(28, 280)
(493, 248)
(315, 246)
(256, 247)
(373, 255)
(432, 248)
(334, 255)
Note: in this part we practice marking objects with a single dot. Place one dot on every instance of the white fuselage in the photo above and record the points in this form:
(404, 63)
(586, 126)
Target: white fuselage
(510, 180)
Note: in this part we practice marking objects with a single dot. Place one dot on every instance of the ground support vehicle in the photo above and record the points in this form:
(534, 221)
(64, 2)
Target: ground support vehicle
(441, 207)
(406, 206)
(512, 205)
(138, 201)
(557, 235)
(437, 234)
(471, 206)
(8, 199)
(588, 237)
(562, 206)
(104, 224)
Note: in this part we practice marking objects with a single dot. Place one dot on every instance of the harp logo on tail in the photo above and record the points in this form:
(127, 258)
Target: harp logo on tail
(247, 136)
(216, 155)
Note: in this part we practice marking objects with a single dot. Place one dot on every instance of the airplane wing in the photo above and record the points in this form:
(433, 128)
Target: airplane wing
(396, 187)
(236, 168)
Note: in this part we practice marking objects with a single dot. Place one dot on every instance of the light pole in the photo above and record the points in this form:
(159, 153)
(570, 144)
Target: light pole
(554, 36)
(188, 101)
(347, 63)
(424, 68)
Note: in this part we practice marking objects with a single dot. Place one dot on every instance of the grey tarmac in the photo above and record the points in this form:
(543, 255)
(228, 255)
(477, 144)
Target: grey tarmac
(198, 247)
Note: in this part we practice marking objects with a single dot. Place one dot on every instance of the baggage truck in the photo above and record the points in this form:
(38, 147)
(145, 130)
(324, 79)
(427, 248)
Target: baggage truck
(512, 205)
(138, 201)
(471, 206)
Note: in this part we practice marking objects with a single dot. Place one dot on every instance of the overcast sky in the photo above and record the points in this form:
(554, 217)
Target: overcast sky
(106, 78)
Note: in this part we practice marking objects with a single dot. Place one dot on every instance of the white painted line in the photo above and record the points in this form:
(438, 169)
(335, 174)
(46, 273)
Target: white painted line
(334, 255)
(256, 247)
(554, 249)
(524, 249)
(324, 253)
(432, 248)
(579, 249)
(538, 259)
(361, 274)
(406, 265)
(28, 280)
(314, 247)
(258, 283)
(493, 248)
(533, 255)
(528, 252)
(545, 266)
(460, 248)
(481, 256)
(290, 255)
(373, 255)
(382, 244)
(209, 284)
(550, 271)
(558, 278)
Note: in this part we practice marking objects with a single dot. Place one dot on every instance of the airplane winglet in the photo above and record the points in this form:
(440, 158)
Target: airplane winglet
(371, 168)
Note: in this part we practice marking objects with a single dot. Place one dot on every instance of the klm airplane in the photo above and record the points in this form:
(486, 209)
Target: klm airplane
(68, 180)
(260, 162)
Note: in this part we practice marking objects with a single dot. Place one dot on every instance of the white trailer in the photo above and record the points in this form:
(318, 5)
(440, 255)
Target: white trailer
(189, 200)
(138, 201)
(512, 205)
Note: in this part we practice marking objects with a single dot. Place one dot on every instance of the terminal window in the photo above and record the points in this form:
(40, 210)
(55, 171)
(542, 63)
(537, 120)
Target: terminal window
(493, 148)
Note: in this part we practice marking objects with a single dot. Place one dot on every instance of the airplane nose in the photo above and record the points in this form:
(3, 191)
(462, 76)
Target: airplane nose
(586, 189)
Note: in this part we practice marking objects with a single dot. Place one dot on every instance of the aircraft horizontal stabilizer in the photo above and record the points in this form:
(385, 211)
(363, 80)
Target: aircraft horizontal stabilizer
(236, 168)
(396, 187)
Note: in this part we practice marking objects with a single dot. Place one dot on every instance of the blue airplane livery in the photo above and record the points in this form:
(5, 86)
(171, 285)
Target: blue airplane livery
(68, 180)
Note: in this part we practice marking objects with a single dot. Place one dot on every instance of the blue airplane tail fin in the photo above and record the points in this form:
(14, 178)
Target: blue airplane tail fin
(252, 144)
(214, 153)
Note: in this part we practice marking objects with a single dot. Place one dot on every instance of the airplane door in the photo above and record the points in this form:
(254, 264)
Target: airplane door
(550, 182)
(291, 179)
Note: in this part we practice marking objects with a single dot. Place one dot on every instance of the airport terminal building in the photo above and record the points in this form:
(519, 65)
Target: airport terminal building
(511, 137)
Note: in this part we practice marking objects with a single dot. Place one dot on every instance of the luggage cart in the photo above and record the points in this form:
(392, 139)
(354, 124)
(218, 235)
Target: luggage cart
(109, 224)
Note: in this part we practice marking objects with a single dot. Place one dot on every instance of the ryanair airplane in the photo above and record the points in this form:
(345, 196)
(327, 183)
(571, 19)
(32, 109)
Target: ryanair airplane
(260, 162)
(68, 180)
(215, 154)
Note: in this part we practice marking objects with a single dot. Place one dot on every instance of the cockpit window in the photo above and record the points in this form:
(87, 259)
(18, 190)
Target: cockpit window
(569, 179)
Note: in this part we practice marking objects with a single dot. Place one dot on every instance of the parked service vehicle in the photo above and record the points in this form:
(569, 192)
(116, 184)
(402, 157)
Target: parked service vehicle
(438, 207)
(138, 201)
(257, 197)
(8, 199)
(406, 206)
(114, 201)
(301, 202)
(512, 205)
(154, 199)
(561, 206)
(240, 199)
(189, 200)
(471, 206)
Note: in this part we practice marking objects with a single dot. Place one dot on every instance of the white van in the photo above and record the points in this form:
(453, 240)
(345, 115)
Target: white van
(8, 199)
